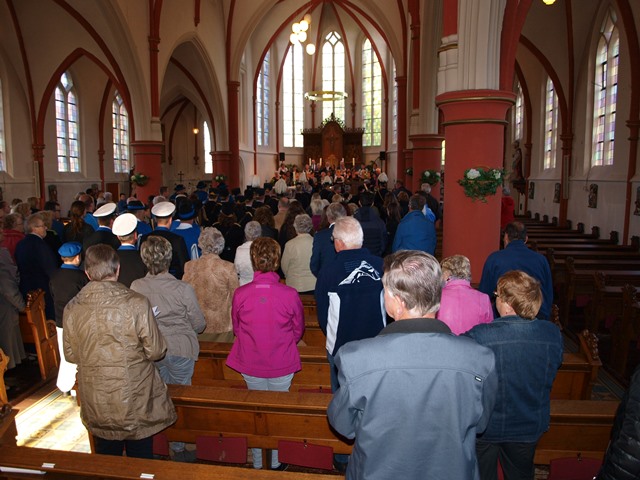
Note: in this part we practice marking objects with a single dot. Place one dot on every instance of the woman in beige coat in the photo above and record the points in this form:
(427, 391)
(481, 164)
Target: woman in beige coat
(214, 281)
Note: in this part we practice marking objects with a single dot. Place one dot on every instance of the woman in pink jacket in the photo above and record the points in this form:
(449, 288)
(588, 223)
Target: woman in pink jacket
(462, 307)
(268, 321)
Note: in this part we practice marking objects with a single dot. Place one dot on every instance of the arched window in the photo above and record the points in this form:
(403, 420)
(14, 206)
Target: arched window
(292, 96)
(208, 161)
(395, 107)
(371, 96)
(120, 126)
(518, 114)
(550, 125)
(67, 130)
(262, 102)
(333, 78)
(605, 93)
(3, 161)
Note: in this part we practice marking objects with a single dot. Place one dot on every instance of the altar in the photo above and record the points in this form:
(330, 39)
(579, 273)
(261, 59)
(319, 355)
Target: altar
(332, 142)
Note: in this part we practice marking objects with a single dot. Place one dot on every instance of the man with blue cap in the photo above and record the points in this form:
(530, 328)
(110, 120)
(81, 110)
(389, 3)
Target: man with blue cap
(137, 208)
(65, 283)
(186, 228)
(105, 215)
(201, 192)
(131, 265)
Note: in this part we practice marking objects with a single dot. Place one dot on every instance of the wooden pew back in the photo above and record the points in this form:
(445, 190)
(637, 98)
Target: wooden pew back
(36, 329)
(4, 362)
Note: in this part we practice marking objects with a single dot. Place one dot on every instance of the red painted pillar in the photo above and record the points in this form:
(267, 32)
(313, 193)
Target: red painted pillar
(233, 167)
(427, 154)
(38, 158)
(474, 122)
(147, 159)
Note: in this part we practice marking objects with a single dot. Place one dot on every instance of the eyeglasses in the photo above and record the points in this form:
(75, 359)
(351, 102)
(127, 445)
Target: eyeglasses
(496, 295)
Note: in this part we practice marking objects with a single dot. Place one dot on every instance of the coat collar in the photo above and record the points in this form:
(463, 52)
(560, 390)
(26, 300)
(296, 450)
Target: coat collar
(416, 325)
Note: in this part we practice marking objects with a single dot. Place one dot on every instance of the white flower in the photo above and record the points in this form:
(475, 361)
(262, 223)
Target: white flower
(497, 174)
(473, 174)
(427, 173)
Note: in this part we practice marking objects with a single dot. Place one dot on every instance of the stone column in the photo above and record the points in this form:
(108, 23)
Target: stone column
(427, 154)
(147, 159)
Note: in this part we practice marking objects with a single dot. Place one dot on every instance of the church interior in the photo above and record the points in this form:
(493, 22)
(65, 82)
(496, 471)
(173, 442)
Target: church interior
(544, 93)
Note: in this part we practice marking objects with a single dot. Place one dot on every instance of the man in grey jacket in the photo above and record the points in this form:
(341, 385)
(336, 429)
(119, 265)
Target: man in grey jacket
(414, 396)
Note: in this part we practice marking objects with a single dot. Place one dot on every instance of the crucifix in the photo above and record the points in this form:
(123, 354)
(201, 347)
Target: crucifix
(180, 174)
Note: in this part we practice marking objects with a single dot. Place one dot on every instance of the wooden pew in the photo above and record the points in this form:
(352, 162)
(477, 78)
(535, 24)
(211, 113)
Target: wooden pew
(577, 426)
(4, 362)
(574, 379)
(625, 331)
(211, 367)
(36, 329)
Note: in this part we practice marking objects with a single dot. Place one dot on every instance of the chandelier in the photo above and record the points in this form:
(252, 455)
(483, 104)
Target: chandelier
(299, 34)
(325, 95)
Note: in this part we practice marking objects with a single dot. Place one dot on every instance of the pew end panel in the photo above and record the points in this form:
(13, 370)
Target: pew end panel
(36, 329)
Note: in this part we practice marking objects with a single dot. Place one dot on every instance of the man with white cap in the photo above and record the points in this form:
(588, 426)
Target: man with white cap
(162, 212)
(105, 215)
(131, 265)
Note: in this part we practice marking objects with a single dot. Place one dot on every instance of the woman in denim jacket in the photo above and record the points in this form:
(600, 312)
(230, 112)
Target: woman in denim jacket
(528, 354)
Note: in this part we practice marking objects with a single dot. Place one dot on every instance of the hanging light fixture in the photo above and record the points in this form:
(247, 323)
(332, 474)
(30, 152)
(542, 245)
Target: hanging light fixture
(548, 2)
(299, 34)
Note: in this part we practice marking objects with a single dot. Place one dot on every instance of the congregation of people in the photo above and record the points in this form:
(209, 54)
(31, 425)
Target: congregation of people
(432, 377)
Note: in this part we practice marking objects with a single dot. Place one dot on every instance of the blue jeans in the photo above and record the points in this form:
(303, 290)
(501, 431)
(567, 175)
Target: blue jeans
(278, 384)
(177, 371)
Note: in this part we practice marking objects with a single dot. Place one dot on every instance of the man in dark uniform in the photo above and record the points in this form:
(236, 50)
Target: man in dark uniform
(137, 208)
(105, 215)
(131, 265)
(162, 212)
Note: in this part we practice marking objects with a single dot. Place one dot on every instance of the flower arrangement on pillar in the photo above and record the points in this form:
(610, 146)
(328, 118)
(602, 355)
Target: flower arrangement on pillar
(430, 176)
(220, 178)
(480, 182)
(139, 179)
(409, 171)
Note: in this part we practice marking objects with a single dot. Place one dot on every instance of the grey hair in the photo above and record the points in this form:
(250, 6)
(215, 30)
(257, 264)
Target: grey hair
(302, 223)
(31, 221)
(415, 278)
(101, 262)
(211, 241)
(252, 230)
(156, 253)
(317, 206)
(456, 266)
(335, 211)
(349, 231)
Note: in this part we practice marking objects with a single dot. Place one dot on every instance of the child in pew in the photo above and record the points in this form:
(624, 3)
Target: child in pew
(268, 321)
(64, 285)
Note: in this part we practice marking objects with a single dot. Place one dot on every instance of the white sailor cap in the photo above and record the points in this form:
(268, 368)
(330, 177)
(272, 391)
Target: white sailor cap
(163, 209)
(124, 224)
(105, 210)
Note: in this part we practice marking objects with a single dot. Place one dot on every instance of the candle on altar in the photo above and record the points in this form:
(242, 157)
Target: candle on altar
(309, 160)
(353, 161)
(320, 164)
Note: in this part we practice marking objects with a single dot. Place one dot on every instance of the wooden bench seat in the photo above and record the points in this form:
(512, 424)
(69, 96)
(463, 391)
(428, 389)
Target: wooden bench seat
(80, 466)
(36, 329)
(574, 379)
(578, 427)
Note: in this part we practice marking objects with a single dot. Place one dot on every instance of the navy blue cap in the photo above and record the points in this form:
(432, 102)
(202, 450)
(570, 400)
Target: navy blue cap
(70, 249)
(201, 184)
(186, 211)
(179, 188)
(135, 205)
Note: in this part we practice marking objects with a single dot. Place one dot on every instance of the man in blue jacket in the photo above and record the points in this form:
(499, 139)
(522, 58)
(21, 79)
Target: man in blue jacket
(517, 256)
(349, 296)
(323, 251)
(415, 231)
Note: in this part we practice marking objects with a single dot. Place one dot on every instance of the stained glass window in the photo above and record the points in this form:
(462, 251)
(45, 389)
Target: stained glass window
(371, 96)
(262, 102)
(550, 125)
(333, 74)
(120, 128)
(293, 96)
(67, 131)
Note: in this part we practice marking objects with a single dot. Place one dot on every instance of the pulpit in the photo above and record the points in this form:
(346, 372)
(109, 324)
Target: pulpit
(332, 142)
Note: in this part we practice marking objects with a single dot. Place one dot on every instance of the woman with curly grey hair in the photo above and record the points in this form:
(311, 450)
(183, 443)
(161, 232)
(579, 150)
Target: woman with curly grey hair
(214, 281)
(178, 316)
(297, 256)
